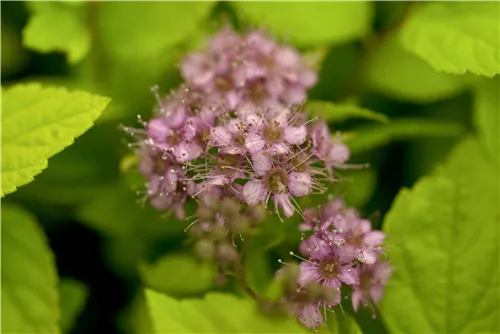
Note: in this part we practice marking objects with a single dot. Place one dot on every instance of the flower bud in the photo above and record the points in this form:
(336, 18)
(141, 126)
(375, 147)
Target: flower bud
(239, 224)
(196, 231)
(204, 249)
(204, 213)
(219, 232)
(226, 253)
(331, 295)
(314, 291)
(257, 214)
(290, 275)
(230, 208)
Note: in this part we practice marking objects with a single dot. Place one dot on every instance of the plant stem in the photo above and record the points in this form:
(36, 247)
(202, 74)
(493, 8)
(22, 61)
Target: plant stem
(240, 272)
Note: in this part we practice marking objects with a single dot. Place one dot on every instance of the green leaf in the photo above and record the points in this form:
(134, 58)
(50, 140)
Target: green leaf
(216, 313)
(357, 185)
(14, 56)
(336, 113)
(456, 37)
(73, 297)
(138, 30)
(80, 172)
(38, 122)
(487, 115)
(370, 137)
(118, 213)
(30, 298)
(393, 71)
(446, 256)
(178, 275)
(135, 317)
(59, 28)
(343, 323)
(306, 25)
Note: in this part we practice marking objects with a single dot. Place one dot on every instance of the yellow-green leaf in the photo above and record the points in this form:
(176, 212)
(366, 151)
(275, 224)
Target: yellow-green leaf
(456, 37)
(333, 112)
(445, 254)
(38, 122)
(306, 24)
(59, 28)
(30, 296)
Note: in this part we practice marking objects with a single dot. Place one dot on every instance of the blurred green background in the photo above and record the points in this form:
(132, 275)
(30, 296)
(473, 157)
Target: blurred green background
(106, 245)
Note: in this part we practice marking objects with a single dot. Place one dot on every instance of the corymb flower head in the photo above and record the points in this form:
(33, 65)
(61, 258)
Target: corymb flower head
(341, 250)
(236, 139)
(248, 69)
(239, 123)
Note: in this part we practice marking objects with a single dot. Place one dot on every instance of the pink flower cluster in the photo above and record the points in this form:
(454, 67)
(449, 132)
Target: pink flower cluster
(237, 133)
(238, 126)
(248, 70)
(342, 249)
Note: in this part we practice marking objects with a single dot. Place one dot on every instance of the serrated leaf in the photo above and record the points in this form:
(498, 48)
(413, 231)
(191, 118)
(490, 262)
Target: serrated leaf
(178, 275)
(138, 30)
(306, 25)
(336, 113)
(397, 73)
(30, 297)
(446, 253)
(58, 27)
(73, 297)
(370, 137)
(456, 37)
(215, 313)
(38, 122)
(487, 116)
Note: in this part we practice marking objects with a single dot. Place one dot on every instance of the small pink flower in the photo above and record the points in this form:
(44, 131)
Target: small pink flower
(270, 130)
(276, 180)
(309, 315)
(329, 151)
(370, 285)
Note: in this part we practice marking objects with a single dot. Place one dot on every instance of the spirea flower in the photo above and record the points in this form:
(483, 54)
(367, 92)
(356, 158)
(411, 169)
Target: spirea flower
(249, 69)
(340, 250)
(238, 124)
(369, 287)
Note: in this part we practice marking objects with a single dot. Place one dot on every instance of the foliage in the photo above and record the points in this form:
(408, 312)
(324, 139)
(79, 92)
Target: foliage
(37, 123)
(29, 281)
(403, 82)
(436, 239)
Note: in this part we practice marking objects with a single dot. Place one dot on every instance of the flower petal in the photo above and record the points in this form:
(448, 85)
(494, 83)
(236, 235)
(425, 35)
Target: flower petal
(339, 153)
(299, 183)
(295, 135)
(348, 277)
(374, 238)
(283, 201)
(254, 192)
(281, 117)
(185, 152)
(262, 162)
(310, 316)
(309, 273)
(158, 130)
(376, 293)
(278, 149)
(356, 298)
(221, 136)
(254, 142)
